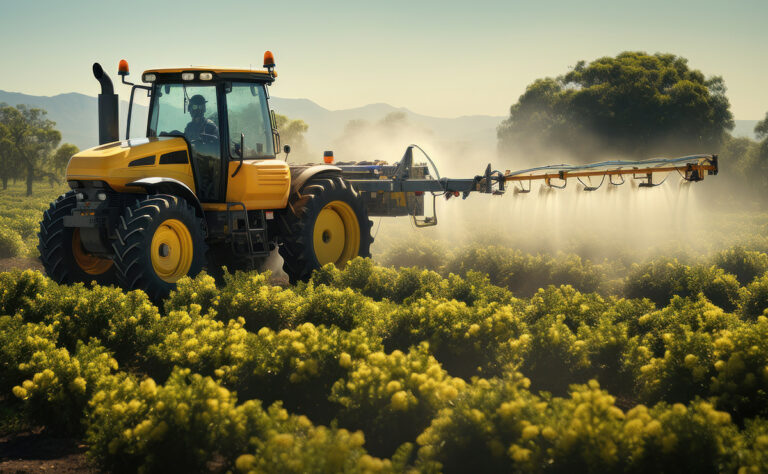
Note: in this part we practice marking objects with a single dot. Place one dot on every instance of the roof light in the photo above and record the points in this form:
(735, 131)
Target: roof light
(149, 78)
(269, 59)
(122, 68)
(187, 76)
(206, 76)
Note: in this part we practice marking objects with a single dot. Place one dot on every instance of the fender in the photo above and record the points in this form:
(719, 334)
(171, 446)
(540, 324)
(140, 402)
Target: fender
(303, 176)
(158, 185)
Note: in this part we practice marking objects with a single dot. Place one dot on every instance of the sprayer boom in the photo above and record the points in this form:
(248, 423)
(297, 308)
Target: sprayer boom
(399, 189)
(690, 168)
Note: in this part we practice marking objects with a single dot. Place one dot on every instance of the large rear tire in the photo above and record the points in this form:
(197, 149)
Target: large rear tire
(159, 240)
(326, 222)
(61, 251)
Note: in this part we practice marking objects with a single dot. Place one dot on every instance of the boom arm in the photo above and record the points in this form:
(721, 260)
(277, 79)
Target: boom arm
(401, 187)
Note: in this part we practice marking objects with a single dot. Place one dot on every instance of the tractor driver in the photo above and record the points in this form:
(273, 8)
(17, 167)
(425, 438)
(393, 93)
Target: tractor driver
(200, 128)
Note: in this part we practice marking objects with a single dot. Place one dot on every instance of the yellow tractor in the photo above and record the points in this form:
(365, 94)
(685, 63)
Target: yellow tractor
(204, 184)
(205, 188)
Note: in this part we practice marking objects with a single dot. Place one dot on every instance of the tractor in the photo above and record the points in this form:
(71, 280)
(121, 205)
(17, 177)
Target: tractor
(204, 187)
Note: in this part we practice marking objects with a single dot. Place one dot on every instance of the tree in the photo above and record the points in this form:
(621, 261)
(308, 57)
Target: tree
(31, 139)
(761, 129)
(292, 133)
(8, 168)
(61, 157)
(635, 104)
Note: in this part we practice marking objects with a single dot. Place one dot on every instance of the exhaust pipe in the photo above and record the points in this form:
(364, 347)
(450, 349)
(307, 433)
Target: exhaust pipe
(108, 112)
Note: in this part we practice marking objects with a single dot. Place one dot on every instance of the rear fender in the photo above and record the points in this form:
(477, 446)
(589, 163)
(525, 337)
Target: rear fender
(311, 172)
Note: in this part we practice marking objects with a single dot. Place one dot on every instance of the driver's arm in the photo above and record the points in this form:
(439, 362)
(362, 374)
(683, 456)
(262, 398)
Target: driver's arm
(211, 129)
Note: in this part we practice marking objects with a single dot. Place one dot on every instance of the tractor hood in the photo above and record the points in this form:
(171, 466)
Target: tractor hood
(119, 163)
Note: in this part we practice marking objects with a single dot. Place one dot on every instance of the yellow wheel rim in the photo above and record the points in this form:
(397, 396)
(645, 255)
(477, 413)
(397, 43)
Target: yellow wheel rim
(336, 236)
(172, 250)
(88, 263)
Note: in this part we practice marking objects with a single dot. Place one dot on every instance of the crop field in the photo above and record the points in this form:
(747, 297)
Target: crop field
(468, 356)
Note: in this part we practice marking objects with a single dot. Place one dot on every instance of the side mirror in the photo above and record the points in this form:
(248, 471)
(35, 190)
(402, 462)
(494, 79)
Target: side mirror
(287, 150)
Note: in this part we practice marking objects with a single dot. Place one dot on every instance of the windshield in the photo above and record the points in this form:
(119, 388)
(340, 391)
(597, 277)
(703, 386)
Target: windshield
(188, 110)
(249, 118)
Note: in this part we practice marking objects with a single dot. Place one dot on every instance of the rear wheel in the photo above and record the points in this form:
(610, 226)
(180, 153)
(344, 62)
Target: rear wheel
(159, 240)
(62, 254)
(326, 222)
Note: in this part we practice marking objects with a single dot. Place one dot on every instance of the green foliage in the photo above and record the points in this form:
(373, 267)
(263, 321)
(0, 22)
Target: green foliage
(124, 322)
(61, 157)
(298, 366)
(524, 274)
(18, 290)
(11, 244)
(19, 340)
(426, 254)
(741, 379)
(198, 342)
(177, 427)
(466, 340)
(28, 140)
(392, 397)
(60, 384)
(410, 283)
(499, 426)
(290, 443)
(746, 265)
(395, 354)
(754, 298)
(661, 279)
(756, 440)
(633, 104)
(292, 133)
(343, 308)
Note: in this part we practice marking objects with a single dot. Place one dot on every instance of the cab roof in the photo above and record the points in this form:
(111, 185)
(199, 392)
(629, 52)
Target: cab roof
(174, 74)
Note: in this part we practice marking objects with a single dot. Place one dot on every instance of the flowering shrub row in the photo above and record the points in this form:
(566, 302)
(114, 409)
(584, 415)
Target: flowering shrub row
(416, 369)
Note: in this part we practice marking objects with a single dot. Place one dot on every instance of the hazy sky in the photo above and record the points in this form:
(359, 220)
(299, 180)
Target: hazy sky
(443, 58)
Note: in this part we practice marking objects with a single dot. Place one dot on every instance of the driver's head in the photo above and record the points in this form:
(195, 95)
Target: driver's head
(197, 106)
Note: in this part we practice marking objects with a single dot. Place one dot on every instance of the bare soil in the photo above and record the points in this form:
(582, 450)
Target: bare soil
(20, 263)
(35, 451)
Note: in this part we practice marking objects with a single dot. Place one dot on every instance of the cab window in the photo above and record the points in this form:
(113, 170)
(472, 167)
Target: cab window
(191, 111)
(249, 115)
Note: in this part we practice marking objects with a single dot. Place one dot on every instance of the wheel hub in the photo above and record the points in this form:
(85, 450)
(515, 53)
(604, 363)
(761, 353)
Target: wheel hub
(171, 250)
(336, 235)
(88, 263)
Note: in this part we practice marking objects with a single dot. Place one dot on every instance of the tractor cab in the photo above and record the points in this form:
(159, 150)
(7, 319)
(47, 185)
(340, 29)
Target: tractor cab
(223, 115)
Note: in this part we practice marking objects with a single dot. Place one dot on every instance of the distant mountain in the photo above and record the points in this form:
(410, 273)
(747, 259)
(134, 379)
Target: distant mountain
(76, 117)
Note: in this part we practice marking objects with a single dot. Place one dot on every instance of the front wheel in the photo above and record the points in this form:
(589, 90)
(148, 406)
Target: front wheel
(62, 254)
(326, 222)
(159, 240)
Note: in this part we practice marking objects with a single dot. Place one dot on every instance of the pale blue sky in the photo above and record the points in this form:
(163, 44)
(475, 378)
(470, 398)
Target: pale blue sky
(443, 58)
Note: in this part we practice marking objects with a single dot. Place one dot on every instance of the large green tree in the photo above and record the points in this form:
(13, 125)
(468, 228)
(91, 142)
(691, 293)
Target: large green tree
(30, 138)
(8, 166)
(634, 104)
(61, 157)
(761, 130)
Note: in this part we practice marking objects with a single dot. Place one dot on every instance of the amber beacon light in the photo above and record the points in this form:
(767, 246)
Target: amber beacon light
(122, 68)
(269, 60)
